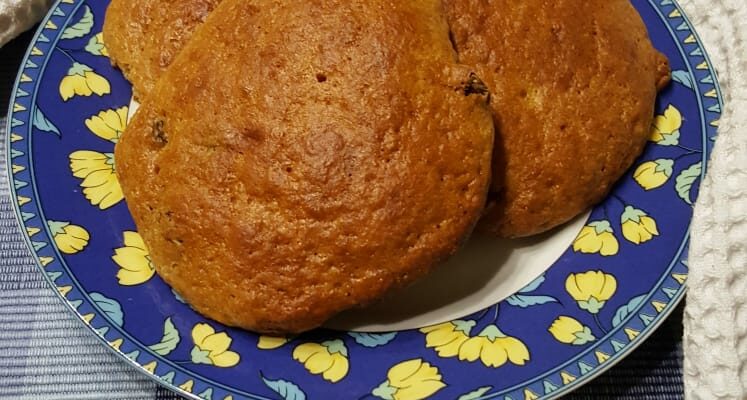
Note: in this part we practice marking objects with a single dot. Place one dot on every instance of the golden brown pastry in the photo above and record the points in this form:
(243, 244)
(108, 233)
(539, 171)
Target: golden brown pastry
(282, 170)
(144, 36)
(573, 86)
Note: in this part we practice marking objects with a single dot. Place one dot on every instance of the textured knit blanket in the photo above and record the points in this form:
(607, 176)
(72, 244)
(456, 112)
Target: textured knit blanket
(715, 321)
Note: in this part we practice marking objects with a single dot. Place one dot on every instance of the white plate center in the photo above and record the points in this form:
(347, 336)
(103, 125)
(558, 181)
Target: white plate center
(484, 272)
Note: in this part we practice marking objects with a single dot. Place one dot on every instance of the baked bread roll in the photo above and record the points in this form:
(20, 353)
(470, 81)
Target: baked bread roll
(144, 36)
(301, 158)
(573, 86)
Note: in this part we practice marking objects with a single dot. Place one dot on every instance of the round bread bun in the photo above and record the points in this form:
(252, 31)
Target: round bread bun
(301, 158)
(573, 86)
(144, 36)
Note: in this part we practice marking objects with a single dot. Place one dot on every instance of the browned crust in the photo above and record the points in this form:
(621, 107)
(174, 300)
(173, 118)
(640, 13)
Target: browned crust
(283, 172)
(144, 36)
(573, 86)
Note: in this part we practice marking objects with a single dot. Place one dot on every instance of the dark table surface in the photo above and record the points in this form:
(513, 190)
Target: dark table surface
(653, 371)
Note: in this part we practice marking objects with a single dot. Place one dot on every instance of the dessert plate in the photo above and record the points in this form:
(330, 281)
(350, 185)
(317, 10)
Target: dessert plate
(525, 319)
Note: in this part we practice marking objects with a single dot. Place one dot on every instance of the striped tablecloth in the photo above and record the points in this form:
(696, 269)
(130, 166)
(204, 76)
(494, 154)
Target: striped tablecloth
(46, 353)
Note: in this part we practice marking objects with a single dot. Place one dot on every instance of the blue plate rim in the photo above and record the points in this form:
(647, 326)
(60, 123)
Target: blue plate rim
(601, 368)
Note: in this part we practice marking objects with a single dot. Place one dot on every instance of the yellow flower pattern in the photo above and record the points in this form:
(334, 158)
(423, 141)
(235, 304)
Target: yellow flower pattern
(591, 289)
(70, 239)
(446, 338)
(637, 226)
(596, 237)
(100, 184)
(665, 128)
(212, 348)
(134, 261)
(109, 124)
(494, 348)
(410, 380)
(569, 331)
(271, 342)
(491, 346)
(82, 80)
(330, 359)
(653, 174)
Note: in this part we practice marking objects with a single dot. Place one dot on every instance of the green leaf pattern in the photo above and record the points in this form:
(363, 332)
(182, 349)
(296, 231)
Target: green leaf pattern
(110, 307)
(81, 28)
(686, 179)
(285, 389)
(94, 46)
(42, 123)
(169, 341)
(475, 394)
(626, 310)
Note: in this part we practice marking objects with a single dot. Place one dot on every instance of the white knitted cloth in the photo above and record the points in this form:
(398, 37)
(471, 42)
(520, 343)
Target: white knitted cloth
(715, 342)
(18, 15)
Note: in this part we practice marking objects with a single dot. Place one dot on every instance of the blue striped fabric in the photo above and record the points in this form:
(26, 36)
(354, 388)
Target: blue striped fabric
(45, 353)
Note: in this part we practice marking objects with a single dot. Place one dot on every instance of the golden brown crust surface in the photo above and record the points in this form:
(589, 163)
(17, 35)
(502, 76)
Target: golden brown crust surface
(144, 36)
(282, 171)
(573, 86)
